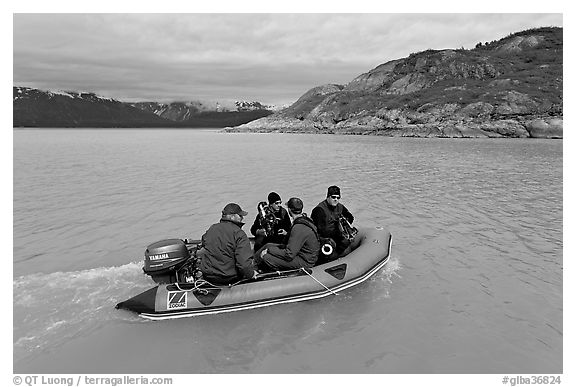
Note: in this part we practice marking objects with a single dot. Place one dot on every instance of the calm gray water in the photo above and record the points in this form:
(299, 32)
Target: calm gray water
(474, 284)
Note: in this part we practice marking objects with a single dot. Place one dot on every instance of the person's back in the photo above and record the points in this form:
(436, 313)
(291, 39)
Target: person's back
(303, 229)
(227, 255)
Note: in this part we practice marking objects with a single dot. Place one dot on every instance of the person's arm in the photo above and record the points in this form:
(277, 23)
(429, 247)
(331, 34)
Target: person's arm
(243, 255)
(204, 239)
(256, 226)
(347, 214)
(319, 219)
(285, 223)
(295, 243)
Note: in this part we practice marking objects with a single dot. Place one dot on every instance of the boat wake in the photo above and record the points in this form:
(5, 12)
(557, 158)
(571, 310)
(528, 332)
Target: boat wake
(53, 308)
(389, 274)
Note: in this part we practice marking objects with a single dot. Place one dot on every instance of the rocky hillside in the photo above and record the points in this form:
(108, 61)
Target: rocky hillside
(506, 88)
(39, 108)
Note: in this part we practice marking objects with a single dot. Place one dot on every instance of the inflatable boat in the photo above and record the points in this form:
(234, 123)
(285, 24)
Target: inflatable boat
(185, 297)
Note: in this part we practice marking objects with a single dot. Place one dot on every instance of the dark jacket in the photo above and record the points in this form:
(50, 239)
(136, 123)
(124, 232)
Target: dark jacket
(283, 223)
(303, 242)
(227, 251)
(326, 217)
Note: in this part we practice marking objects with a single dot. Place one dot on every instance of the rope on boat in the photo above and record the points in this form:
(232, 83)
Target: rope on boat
(199, 282)
(265, 275)
(197, 286)
(314, 278)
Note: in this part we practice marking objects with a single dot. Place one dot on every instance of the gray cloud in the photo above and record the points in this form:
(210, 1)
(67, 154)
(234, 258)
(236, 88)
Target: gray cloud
(273, 58)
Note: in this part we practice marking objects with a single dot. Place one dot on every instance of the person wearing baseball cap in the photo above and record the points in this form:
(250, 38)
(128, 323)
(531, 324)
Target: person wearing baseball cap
(226, 256)
(233, 209)
(301, 249)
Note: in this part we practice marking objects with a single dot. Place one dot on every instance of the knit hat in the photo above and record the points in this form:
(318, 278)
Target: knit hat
(273, 197)
(333, 190)
(295, 205)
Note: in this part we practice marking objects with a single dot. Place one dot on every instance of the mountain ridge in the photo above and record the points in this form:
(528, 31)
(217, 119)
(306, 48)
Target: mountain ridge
(510, 87)
(72, 109)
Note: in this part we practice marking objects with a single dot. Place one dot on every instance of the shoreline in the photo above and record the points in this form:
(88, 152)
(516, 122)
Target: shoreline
(533, 127)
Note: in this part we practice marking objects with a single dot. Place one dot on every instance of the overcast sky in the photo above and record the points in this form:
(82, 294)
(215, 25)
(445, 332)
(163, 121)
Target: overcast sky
(271, 58)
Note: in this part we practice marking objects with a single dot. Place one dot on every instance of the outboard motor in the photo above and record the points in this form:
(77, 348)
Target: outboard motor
(169, 261)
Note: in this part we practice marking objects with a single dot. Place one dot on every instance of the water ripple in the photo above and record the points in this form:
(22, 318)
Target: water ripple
(477, 229)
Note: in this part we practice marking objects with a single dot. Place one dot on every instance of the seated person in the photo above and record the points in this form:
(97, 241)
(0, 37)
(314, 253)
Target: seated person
(227, 256)
(302, 247)
(326, 218)
(279, 228)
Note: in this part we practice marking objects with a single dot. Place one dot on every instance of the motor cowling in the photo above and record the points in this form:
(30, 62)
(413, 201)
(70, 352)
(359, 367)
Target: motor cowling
(163, 260)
